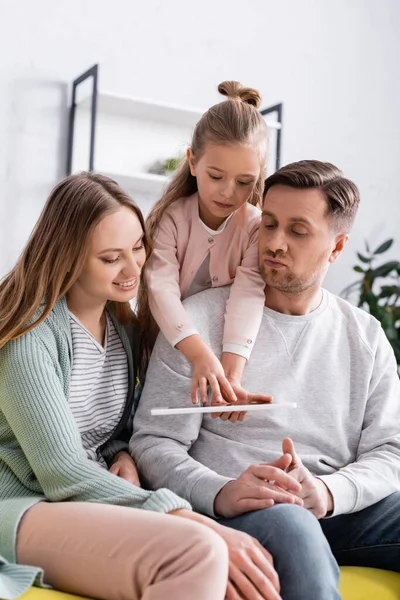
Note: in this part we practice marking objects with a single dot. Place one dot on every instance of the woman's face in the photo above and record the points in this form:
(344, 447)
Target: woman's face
(115, 260)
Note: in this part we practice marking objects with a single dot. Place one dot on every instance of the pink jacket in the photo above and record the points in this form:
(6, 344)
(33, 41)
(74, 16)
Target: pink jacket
(181, 245)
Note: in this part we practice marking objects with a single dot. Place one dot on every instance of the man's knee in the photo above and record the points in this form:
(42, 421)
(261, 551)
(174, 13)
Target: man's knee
(289, 522)
(278, 526)
(302, 555)
(294, 518)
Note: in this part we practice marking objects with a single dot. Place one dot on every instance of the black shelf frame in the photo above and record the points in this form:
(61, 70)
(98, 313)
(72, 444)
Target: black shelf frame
(93, 73)
(278, 109)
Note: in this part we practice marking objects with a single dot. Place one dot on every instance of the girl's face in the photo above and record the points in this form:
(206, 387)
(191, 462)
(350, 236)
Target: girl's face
(226, 175)
(115, 260)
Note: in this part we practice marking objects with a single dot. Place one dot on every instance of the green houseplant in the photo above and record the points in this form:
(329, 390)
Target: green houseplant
(378, 291)
(167, 166)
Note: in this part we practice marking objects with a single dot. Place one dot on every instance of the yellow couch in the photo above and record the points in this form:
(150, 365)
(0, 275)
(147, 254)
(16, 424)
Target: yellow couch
(357, 583)
(360, 583)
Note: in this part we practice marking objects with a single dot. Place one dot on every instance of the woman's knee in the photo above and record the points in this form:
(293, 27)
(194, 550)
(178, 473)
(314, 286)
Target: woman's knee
(208, 544)
(181, 554)
(198, 557)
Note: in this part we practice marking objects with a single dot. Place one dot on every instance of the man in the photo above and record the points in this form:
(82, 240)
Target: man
(341, 444)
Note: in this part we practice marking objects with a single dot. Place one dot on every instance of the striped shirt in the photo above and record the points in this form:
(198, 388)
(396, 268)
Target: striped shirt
(98, 385)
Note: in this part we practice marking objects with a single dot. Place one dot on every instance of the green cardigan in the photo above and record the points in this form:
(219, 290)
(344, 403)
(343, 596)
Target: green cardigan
(41, 454)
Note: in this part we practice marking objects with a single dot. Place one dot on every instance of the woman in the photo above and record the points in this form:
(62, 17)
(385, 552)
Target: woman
(70, 352)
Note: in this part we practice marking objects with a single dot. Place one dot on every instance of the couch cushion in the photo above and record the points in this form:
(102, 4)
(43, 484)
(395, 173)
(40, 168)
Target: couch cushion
(360, 583)
(356, 583)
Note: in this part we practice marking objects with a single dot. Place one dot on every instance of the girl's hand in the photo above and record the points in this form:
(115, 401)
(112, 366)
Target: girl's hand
(208, 371)
(251, 571)
(124, 466)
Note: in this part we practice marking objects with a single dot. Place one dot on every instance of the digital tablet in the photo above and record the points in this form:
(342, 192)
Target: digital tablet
(192, 410)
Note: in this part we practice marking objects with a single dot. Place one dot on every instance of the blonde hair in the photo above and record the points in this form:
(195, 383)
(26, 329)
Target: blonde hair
(56, 252)
(234, 121)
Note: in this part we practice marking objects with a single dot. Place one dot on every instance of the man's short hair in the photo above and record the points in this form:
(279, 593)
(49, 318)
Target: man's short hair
(342, 195)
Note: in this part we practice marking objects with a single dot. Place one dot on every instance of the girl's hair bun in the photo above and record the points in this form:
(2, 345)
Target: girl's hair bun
(236, 91)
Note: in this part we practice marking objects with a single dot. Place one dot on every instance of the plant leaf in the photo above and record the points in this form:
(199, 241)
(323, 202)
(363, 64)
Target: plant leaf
(363, 258)
(358, 269)
(385, 269)
(367, 247)
(389, 290)
(383, 247)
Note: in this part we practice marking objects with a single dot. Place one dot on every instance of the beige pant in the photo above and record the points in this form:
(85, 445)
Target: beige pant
(118, 553)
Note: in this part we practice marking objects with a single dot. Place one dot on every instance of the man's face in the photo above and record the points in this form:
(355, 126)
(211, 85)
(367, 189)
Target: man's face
(297, 240)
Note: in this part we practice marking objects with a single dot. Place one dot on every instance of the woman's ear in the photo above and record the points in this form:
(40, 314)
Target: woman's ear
(190, 158)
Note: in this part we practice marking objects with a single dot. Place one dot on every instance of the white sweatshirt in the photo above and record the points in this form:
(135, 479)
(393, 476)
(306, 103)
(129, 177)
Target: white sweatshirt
(335, 362)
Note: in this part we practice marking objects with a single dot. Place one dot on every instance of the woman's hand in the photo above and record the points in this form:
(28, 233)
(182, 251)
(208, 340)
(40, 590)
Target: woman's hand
(124, 466)
(251, 571)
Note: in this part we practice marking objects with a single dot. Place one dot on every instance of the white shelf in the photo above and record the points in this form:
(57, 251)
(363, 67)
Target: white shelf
(148, 183)
(273, 124)
(127, 106)
(147, 109)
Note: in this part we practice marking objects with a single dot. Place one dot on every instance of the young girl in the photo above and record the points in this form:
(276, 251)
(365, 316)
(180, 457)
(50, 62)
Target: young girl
(69, 355)
(204, 230)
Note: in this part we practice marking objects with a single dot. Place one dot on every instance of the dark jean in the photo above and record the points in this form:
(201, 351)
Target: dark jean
(307, 552)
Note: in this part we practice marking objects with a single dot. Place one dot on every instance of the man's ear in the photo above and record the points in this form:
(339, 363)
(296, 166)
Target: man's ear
(340, 242)
(190, 158)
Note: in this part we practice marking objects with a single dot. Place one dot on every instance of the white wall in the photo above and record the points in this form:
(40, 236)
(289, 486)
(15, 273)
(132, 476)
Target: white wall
(334, 64)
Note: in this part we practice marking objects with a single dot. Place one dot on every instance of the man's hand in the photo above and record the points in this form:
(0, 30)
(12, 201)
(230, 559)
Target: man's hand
(260, 486)
(233, 365)
(243, 397)
(124, 466)
(314, 493)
